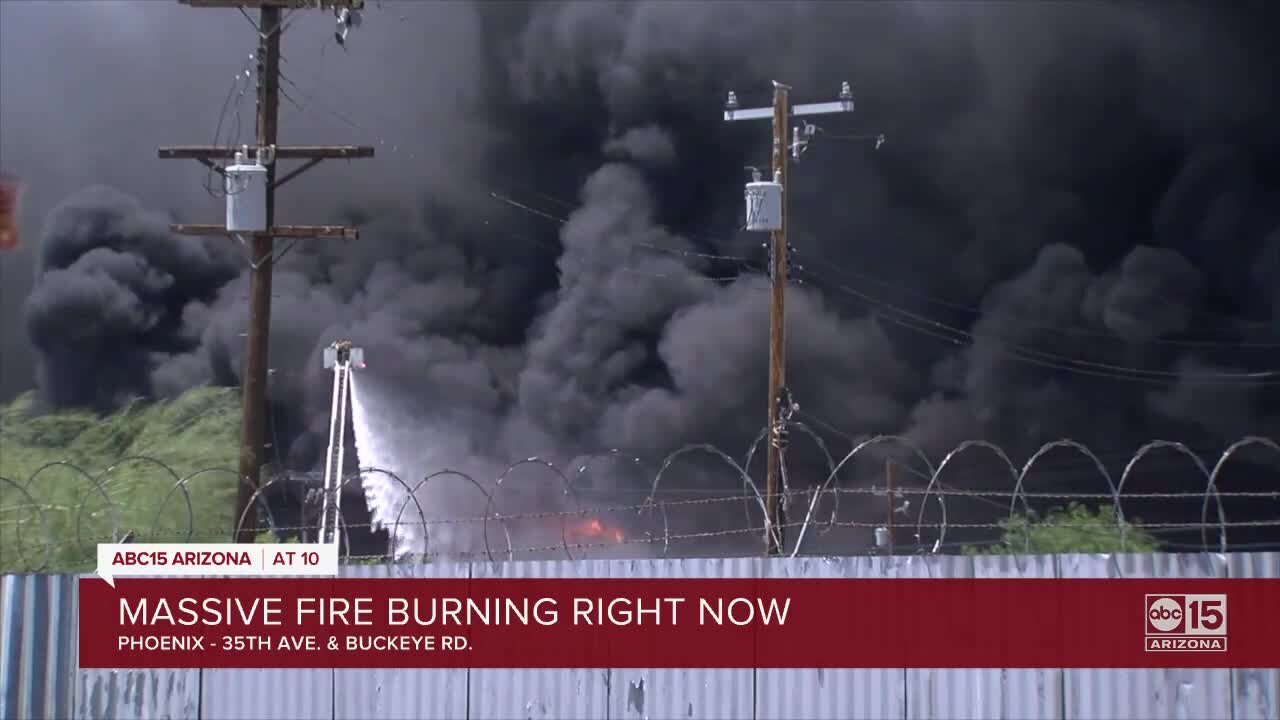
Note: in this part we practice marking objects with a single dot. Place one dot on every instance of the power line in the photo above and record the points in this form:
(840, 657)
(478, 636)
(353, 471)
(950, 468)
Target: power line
(943, 331)
(239, 87)
(254, 214)
(315, 87)
(730, 278)
(506, 198)
(525, 207)
(1239, 322)
(814, 133)
(570, 207)
(319, 81)
(953, 335)
(1080, 332)
(1045, 359)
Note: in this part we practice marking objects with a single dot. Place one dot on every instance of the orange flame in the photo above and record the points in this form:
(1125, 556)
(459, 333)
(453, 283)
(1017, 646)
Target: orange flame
(595, 529)
(10, 197)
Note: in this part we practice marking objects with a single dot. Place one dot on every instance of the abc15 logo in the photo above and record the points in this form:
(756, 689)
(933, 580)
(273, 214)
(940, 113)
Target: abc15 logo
(1173, 615)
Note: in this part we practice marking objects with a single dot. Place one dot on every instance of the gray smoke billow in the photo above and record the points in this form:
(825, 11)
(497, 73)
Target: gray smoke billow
(115, 293)
(1093, 182)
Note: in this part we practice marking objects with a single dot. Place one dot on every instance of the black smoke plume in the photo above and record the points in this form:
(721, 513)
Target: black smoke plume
(1070, 232)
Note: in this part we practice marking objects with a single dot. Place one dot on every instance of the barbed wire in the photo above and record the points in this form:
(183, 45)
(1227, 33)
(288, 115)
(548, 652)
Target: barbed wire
(48, 525)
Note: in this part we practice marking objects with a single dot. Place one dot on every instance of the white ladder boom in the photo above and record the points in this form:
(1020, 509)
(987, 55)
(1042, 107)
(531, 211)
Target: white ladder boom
(331, 512)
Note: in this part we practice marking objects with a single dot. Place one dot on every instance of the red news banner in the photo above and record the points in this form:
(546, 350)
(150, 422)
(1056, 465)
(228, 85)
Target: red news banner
(712, 623)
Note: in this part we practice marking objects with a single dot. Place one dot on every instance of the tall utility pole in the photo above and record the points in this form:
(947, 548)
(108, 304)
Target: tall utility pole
(264, 155)
(758, 201)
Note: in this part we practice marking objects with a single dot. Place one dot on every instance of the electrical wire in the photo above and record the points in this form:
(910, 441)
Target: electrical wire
(236, 93)
(742, 261)
(928, 326)
(948, 333)
(315, 87)
(1256, 324)
(730, 278)
(1079, 332)
(313, 98)
(249, 19)
(319, 81)
(1269, 376)
(877, 138)
(912, 470)
(705, 241)
(674, 251)
(933, 327)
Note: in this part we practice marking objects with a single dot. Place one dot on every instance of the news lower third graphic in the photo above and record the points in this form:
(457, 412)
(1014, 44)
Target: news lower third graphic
(215, 560)
(286, 606)
(1186, 623)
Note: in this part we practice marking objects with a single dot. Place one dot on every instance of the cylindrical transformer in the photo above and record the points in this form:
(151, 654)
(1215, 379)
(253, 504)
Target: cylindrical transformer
(246, 189)
(764, 206)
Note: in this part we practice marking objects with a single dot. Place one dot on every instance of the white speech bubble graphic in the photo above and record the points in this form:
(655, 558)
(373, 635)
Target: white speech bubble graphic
(215, 559)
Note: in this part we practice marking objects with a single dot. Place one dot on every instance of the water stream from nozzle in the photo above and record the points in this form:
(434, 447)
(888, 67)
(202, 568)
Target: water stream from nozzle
(383, 495)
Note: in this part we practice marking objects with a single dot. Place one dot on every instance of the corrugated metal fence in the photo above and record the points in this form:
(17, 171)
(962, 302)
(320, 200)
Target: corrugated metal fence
(40, 679)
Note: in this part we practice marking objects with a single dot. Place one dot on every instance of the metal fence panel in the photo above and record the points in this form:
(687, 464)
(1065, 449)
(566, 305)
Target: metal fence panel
(254, 694)
(1096, 694)
(1257, 694)
(931, 692)
(157, 694)
(935, 693)
(576, 694)
(831, 694)
(11, 604)
(138, 695)
(1015, 694)
(409, 693)
(982, 694)
(677, 693)
(1257, 691)
(38, 645)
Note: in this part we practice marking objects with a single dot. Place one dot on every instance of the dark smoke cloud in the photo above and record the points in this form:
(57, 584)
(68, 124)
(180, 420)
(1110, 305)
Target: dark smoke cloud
(114, 293)
(1069, 191)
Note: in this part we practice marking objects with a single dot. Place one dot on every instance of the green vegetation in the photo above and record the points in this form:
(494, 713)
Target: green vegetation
(1072, 530)
(45, 454)
(199, 432)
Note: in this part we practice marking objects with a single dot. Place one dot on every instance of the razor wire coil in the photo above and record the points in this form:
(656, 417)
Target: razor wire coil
(46, 535)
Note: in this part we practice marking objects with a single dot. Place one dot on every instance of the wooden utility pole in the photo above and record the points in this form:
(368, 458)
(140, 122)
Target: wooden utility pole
(254, 399)
(775, 541)
(780, 402)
